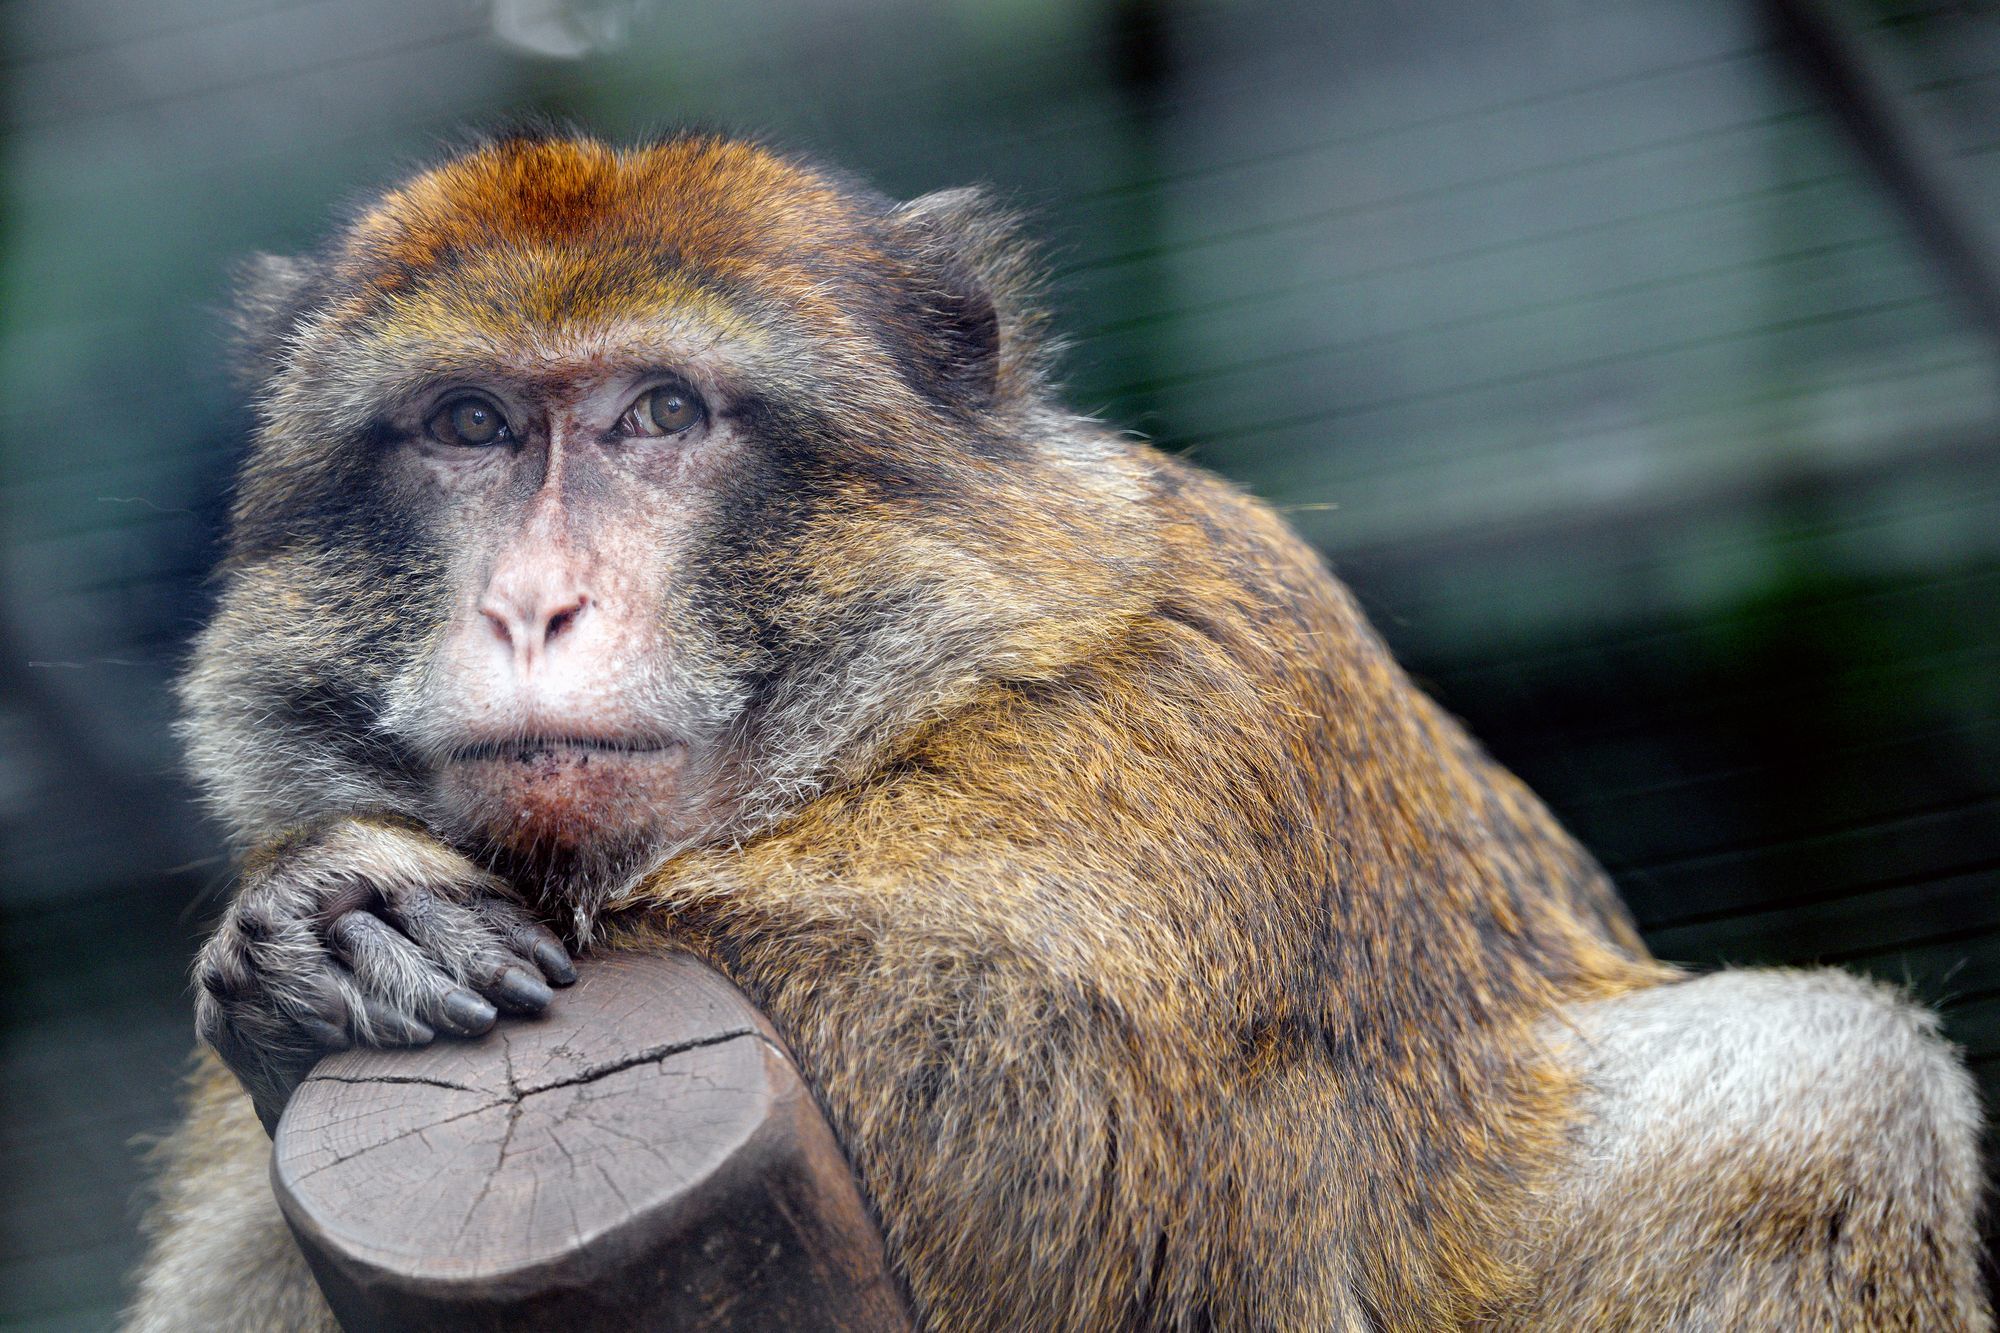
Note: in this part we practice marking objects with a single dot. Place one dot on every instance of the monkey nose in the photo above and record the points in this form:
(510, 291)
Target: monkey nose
(528, 620)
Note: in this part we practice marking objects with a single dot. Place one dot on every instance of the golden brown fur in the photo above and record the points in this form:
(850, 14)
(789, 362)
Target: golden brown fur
(1161, 903)
(1161, 956)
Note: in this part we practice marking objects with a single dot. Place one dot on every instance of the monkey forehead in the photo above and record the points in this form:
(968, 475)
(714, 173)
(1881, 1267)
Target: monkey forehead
(520, 313)
(525, 294)
(572, 227)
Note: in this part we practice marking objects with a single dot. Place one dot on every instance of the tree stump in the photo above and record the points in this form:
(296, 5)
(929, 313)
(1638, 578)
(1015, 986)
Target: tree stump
(644, 1156)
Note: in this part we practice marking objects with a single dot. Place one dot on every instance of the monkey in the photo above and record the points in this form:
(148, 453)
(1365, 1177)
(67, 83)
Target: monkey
(684, 547)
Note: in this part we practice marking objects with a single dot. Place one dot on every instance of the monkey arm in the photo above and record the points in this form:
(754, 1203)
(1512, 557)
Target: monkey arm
(362, 930)
(999, 1114)
(1028, 1050)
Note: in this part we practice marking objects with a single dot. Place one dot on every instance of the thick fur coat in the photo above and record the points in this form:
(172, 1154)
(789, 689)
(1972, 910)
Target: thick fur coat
(1160, 955)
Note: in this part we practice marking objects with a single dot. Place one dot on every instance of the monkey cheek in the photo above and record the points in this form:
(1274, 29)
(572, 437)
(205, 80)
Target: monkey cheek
(568, 800)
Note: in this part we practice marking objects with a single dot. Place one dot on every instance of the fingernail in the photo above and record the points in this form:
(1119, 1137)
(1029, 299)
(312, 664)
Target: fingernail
(324, 1034)
(332, 1006)
(518, 990)
(393, 1027)
(413, 1033)
(554, 962)
(468, 1013)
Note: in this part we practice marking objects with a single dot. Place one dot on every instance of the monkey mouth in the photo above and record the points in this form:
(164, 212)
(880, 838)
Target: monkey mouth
(543, 749)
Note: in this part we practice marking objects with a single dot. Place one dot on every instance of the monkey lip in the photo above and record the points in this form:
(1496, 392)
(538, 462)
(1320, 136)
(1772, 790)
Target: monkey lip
(542, 749)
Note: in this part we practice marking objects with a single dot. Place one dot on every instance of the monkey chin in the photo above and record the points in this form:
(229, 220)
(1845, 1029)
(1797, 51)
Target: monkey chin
(567, 822)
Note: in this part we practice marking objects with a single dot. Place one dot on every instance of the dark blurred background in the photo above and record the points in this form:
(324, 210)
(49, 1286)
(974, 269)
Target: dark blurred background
(1635, 360)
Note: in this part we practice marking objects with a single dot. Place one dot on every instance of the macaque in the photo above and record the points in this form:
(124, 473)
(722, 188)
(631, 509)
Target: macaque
(683, 548)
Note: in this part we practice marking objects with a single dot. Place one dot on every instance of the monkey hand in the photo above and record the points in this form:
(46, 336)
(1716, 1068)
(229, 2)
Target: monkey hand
(366, 931)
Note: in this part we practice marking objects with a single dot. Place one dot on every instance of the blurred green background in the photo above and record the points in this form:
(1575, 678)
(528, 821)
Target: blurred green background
(1635, 360)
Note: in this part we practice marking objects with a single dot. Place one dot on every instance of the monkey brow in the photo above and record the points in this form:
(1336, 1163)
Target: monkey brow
(407, 360)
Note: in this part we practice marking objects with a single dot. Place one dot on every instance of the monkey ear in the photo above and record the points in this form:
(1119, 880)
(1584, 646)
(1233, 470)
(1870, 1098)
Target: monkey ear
(272, 291)
(973, 294)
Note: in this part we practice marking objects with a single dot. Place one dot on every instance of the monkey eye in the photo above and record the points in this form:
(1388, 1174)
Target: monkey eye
(470, 421)
(671, 409)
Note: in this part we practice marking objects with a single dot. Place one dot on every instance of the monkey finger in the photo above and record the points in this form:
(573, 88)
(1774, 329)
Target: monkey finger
(321, 1011)
(464, 942)
(324, 1035)
(224, 974)
(519, 990)
(525, 938)
(391, 970)
(377, 1024)
(279, 981)
(534, 940)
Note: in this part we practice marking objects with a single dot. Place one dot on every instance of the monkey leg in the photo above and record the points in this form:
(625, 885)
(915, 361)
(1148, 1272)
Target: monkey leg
(221, 1257)
(1761, 1149)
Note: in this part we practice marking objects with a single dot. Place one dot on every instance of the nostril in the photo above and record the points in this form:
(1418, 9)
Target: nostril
(564, 618)
(526, 621)
(503, 629)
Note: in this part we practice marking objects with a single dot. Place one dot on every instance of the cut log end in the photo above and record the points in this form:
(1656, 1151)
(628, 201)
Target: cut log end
(643, 1156)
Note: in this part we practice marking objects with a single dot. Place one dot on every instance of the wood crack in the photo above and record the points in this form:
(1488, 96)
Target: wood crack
(399, 1078)
(651, 1055)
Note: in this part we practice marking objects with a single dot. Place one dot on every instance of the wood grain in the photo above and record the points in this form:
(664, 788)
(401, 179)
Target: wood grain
(644, 1156)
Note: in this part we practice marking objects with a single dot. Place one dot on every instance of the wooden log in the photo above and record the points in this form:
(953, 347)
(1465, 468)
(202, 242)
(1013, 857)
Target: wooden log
(644, 1156)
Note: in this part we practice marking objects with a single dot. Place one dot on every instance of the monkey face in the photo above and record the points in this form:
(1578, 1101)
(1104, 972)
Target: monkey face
(606, 503)
(571, 684)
